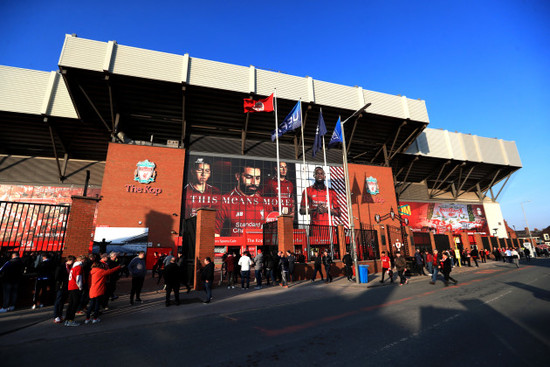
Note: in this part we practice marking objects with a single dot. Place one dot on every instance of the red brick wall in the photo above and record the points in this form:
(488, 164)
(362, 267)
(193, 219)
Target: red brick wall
(121, 208)
(80, 226)
(365, 206)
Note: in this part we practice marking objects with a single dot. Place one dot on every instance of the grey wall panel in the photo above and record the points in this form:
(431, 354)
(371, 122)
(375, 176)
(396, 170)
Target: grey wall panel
(418, 110)
(491, 151)
(258, 149)
(148, 64)
(470, 148)
(512, 153)
(384, 104)
(43, 171)
(288, 86)
(212, 74)
(83, 53)
(335, 95)
(22, 90)
(457, 146)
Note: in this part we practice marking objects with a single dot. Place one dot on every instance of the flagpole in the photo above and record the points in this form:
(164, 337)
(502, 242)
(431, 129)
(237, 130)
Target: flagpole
(348, 197)
(304, 169)
(328, 198)
(278, 162)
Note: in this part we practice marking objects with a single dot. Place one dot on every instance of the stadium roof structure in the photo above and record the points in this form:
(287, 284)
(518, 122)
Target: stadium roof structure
(107, 92)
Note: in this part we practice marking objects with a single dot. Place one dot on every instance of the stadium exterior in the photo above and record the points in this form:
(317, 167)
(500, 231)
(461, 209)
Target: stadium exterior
(134, 126)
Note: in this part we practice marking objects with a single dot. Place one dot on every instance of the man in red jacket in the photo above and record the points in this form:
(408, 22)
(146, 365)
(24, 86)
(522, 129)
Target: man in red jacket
(386, 267)
(75, 291)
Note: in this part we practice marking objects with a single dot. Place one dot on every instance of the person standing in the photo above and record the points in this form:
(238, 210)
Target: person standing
(327, 262)
(348, 262)
(419, 263)
(230, 267)
(527, 254)
(401, 267)
(45, 270)
(386, 267)
(458, 260)
(475, 254)
(245, 262)
(12, 273)
(207, 276)
(291, 264)
(483, 256)
(98, 281)
(138, 271)
(172, 279)
(446, 267)
(61, 288)
(269, 268)
(258, 268)
(317, 266)
(515, 257)
(284, 270)
(435, 266)
(75, 291)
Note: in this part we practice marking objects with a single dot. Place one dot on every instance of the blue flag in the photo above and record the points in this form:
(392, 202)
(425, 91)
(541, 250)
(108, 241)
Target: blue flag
(291, 122)
(319, 134)
(336, 135)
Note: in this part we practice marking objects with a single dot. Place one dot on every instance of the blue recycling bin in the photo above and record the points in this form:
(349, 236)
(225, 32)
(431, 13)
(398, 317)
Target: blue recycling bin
(363, 273)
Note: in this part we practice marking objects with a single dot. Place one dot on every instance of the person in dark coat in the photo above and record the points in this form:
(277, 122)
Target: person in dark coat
(207, 276)
(45, 273)
(12, 273)
(291, 264)
(269, 269)
(446, 268)
(61, 288)
(348, 262)
(327, 262)
(475, 254)
(419, 262)
(401, 267)
(182, 266)
(172, 279)
(317, 262)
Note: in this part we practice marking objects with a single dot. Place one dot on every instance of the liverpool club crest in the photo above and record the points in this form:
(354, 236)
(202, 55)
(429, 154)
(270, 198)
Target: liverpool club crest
(145, 172)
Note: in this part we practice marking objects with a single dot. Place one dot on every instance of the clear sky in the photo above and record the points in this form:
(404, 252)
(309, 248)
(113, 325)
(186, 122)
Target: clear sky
(483, 67)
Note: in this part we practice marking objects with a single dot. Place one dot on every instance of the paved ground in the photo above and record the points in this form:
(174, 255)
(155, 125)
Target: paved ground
(496, 315)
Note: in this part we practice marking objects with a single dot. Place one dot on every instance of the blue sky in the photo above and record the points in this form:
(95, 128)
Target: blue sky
(483, 67)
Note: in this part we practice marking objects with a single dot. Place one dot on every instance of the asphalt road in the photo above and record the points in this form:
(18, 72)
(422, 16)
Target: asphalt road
(497, 315)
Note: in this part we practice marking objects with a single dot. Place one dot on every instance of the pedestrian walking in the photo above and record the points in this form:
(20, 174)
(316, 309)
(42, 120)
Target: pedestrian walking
(284, 270)
(207, 277)
(515, 257)
(137, 271)
(401, 267)
(317, 266)
(11, 274)
(230, 266)
(45, 273)
(327, 262)
(475, 254)
(172, 279)
(348, 263)
(446, 267)
(386, 267)
(435, 266)
(419, 263)
(291, 265)
(258, 268)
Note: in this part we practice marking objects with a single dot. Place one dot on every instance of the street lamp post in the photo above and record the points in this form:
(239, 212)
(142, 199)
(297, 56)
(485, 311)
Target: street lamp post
(527, 224)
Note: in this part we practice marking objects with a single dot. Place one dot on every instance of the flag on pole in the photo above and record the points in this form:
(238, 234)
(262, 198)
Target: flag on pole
(291, 122)
(336, 135)
(262, 105)
(319, 134)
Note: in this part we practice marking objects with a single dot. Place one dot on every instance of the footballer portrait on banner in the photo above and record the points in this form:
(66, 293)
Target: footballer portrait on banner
(243, 207)
(199, 193)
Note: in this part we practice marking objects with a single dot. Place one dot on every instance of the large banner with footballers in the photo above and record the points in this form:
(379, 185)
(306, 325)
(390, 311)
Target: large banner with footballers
(245, 192)
(445, 217)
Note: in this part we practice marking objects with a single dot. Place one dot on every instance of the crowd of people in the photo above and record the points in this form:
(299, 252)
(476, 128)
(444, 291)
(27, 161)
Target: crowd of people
(88, 282)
